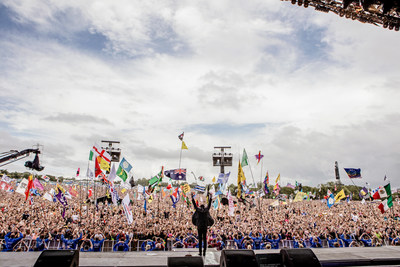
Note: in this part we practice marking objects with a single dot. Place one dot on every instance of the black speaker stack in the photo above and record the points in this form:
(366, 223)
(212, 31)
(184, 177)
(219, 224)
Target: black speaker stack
(58, 258)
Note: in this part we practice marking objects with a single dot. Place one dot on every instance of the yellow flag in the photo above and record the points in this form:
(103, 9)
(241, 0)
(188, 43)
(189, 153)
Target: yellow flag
(213, 180)
(299, 196)
(184, 145)
(186, 188)
(150, 198)
(123, 190)
(339, 196)
(278, 178)
(103, 164)
(59, 187)
(241, 178)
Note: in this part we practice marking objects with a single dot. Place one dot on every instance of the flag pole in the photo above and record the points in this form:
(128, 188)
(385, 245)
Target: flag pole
(251, 173)
(180, 156)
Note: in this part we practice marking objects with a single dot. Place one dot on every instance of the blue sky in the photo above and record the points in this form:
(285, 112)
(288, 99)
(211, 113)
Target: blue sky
(304, 87)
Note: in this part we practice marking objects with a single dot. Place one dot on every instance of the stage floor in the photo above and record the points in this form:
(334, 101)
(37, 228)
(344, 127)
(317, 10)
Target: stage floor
(159, 258)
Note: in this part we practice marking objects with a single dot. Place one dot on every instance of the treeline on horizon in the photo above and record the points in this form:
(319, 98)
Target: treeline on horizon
(320, 192)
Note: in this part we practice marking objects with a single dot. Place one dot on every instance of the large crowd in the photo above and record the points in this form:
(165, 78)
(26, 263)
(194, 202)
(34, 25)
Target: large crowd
(255, 224)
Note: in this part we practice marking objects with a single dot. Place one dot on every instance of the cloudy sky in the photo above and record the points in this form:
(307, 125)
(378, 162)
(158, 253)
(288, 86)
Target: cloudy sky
(306, 88)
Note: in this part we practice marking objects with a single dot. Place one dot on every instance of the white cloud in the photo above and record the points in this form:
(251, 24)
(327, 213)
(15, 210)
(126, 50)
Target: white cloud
(158, 68)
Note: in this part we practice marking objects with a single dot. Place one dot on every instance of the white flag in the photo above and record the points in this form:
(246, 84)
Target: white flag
(22, 186)
(113, 174)
(48, 197)
(128, 213)
(6, 179)
(89, 174)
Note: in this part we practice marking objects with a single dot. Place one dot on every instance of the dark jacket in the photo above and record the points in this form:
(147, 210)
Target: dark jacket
(202, 215)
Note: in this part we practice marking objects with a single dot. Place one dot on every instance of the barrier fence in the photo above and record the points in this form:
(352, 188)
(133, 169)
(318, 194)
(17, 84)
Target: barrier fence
(140, 245)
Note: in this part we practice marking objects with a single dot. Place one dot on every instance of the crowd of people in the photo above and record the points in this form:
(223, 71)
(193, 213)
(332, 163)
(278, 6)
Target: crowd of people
(255, 224)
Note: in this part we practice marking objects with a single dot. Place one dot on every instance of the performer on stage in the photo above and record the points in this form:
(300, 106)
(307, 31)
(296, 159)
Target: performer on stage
(202, 219)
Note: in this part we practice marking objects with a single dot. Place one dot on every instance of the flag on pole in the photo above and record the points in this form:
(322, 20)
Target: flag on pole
(128, 213)
(181, 136)
(383, 192)
(330, 201)
(89, 173)
(156, 180)
(384, 206)
(37, 184)
(97, 169)
(200, 188)
(73, 192)
(353, 173)
(266, 182)
(259, 156)
(123, 169)
(101, 153)
(29, 187)
(186, 188)
(175, 197)
(278, 178)
(299, 197)
(244, 158)
(363, 193)
(104, 165)
(223, 178)
(184, 145)
(77, 172)
(176, 174)
(91, 155)
(112, 175)
(169, 186)
(339, 196)
(240, 180)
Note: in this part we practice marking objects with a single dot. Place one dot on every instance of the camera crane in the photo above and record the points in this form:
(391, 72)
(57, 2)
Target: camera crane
(15, 155)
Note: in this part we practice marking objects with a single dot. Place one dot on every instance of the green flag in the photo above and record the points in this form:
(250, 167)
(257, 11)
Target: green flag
(157, 179)
(91, 155)
(244, 158)
(154, 180)
(122, 173)
(389, 194)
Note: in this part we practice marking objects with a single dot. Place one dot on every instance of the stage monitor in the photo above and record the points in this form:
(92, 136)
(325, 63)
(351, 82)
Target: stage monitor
(58, 258)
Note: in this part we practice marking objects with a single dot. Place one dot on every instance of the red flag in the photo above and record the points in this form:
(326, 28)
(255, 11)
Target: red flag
(169, 184)
(175, 194)
(90, 192)
(73, 191)
(77, 172)
(28, 188)
(97, 170)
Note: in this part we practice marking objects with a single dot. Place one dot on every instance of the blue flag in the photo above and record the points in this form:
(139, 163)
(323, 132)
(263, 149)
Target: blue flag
(125, 165)
(353, 173)
(200, 188)
(177, 174)
(363, 193)
(330, 201)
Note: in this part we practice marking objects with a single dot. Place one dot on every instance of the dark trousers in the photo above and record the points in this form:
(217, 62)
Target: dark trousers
(202, 239)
